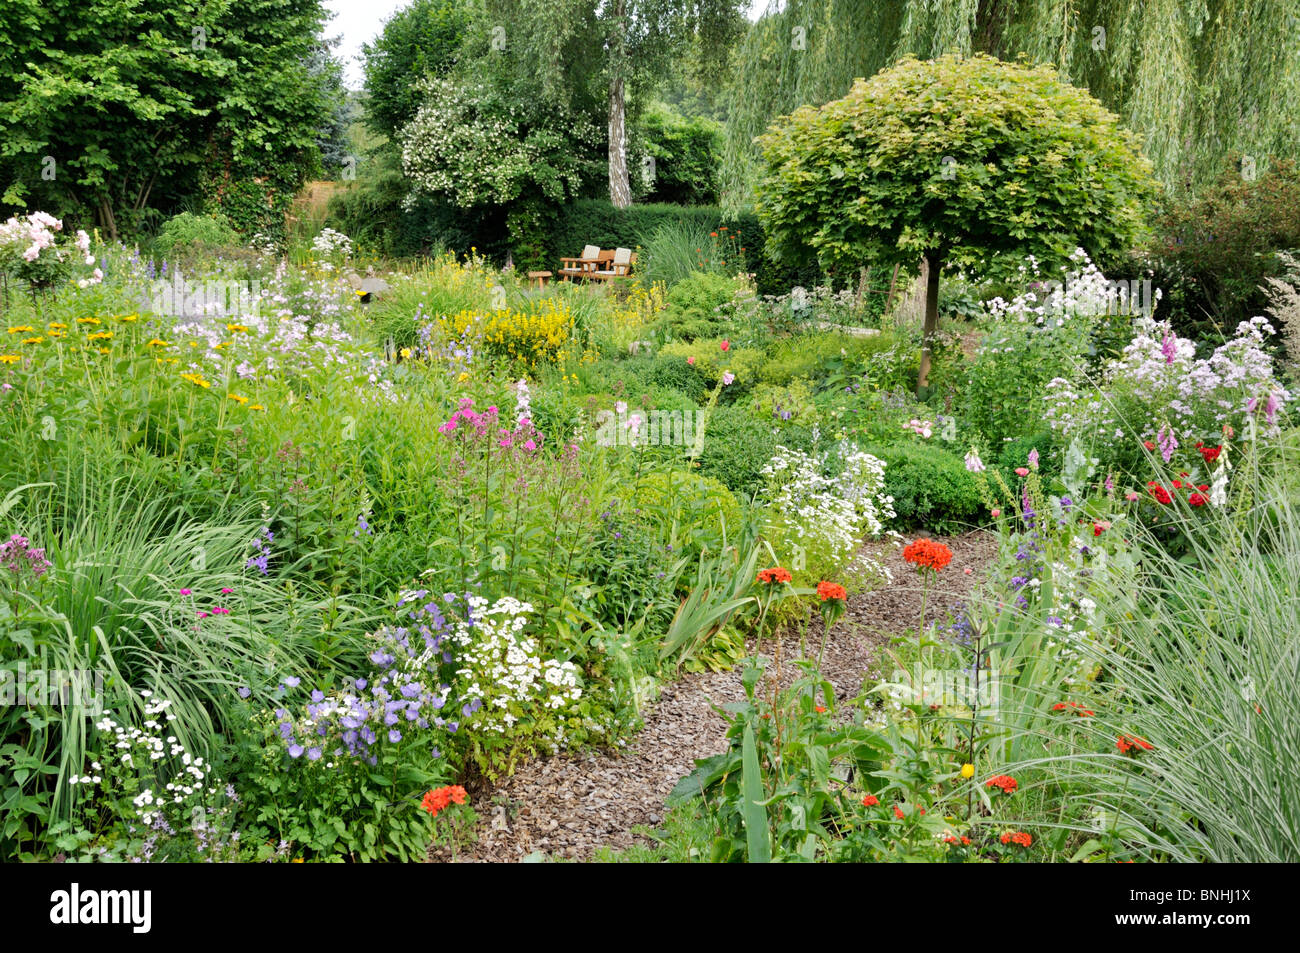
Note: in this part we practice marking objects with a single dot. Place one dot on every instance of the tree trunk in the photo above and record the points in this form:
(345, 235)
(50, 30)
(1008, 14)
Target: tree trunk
(106, 218)
(620, 189)
(930, 266)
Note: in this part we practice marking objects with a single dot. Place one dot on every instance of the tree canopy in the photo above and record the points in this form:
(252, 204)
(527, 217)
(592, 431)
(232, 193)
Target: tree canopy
(118, 106)
(1198, 80)
(956, 158)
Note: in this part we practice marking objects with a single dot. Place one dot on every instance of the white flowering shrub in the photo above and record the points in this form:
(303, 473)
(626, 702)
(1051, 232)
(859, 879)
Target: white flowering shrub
(1159, 391)
(332, 244)
(515, 700)
(820, 508)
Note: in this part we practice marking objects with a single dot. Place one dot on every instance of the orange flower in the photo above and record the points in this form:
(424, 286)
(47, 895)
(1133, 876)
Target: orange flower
(434, 801)
(870, 801)
(927, 554)
(774, 575)
(830, 590)
(1127, 743)
(1017, 837)
(1003, 781)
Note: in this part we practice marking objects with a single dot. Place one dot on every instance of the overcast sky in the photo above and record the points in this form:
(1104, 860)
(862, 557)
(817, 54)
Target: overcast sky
(359, 21)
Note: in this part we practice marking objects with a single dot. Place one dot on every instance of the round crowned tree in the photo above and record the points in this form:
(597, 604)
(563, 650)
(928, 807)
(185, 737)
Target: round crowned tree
(952, 159)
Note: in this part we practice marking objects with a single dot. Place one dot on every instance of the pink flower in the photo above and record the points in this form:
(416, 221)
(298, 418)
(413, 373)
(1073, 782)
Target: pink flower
(967, 570)
(185, 592)
(530, 445)
(691, 361)
(1132, 496)
(1022, 471)
(728, 377)
(997, 513)
(726, 345)
(202, 614)
(226, 592)
(1033, 458)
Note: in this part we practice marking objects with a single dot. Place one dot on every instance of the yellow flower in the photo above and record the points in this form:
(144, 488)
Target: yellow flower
(22, 329)
(56, 334)
(968, 770)
(104, 350)
(196, 379)
(156, 342)
(237, 328)
(88, 320)
(57, 326)
(99, 336)
(35, 340)
(128, 318)
(237, 399)
(405, 353)
(10, 358)
(256, 407)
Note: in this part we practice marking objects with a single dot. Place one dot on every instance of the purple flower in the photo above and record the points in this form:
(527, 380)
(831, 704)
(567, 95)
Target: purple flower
(394, 736)
(295, 750)
(313, 754)
(292, 681)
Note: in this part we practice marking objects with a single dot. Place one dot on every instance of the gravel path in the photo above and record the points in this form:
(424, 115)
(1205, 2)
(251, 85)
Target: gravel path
(570, 805)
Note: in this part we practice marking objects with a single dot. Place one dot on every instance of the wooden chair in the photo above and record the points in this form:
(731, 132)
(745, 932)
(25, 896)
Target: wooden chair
(615, 264)
(582, 267)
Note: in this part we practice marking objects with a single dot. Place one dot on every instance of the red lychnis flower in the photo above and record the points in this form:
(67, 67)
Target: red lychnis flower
(1017, 837)
(774, 575)
(870, 801)
(437, 799)
(927, 554)
(830, 590)
(1003, 781)
(1127, 743)
(1079, 709)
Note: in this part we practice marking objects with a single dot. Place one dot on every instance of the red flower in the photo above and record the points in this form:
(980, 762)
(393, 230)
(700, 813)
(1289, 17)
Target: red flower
(870, 801)
(1017, 837)
(927, 554)
(1210, 454)
(1127, 743)
(1178, 484)
(1004, 781)
(898, 812)
(725, 345)
(1197, 499)
(1160, 493)
(774, 575)
(1100, 527)
(831, 590)
(821, 709)
(1148, 444)
(1080, 710)
(434, 801)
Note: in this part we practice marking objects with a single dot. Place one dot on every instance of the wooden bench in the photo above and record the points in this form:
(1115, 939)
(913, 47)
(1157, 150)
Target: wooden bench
(581, 267)
(614, 264)
(538, 278)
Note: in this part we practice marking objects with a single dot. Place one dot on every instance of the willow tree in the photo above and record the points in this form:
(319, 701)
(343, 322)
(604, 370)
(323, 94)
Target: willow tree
(1198, 80)
(576, 46)
(951, 159)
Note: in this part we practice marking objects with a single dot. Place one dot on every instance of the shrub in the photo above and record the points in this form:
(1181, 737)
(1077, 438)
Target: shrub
(194, 234)
(1211, 255)
(737, 447)
(930, 486)
(697, 506)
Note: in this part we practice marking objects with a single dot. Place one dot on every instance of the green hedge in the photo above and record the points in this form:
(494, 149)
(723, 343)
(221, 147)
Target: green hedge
(598, 222)
(931, 487)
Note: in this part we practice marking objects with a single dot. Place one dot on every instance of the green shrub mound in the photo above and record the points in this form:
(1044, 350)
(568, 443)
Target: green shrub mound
(931, 487)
